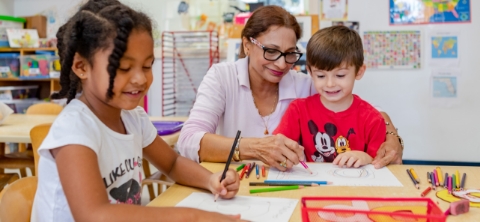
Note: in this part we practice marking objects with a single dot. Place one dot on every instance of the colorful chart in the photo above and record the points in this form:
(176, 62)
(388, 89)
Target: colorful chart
(444, 86)
(429, 11)
(392, 49)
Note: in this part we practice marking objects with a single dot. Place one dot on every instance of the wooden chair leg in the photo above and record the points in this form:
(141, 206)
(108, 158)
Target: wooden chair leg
(146, 171)
(33, 171)
(23, 172)
(22, 147)
(2, 153)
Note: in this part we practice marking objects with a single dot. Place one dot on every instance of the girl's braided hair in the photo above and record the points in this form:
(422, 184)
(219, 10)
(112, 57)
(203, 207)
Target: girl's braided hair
(98, 25)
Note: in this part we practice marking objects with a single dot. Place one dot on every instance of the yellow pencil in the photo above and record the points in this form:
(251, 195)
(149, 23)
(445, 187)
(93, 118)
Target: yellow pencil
(440, 176)
(457, 179)
(414, 175)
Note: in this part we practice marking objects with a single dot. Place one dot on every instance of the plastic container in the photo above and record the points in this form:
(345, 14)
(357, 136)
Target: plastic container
(8, 93)
(21, 105)
(167, 127)
(54, 63)
(370, 209)
(8, 22)
(9, 65)
(35, 66)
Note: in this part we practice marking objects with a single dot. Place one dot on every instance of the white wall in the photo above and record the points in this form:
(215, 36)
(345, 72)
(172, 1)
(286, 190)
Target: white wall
(6, 7)
(430, 133)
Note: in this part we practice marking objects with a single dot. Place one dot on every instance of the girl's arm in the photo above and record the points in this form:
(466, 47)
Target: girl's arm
(187, 172)
(391, 151)
(88, 201)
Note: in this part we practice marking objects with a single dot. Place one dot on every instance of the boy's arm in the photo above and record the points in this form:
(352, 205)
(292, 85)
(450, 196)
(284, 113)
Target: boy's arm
(289, 126)
(376, 133)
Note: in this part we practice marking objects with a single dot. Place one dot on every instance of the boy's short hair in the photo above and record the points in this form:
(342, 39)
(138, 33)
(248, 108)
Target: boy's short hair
(330, 47)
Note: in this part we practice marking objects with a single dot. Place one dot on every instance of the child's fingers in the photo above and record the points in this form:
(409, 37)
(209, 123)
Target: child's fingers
(352, 161)
(358, 164)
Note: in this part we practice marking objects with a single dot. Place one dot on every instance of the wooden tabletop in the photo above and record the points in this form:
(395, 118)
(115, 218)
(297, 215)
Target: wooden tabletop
(176, 193)
(16, 127)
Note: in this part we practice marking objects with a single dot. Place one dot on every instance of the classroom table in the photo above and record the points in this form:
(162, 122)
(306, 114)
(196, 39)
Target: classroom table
(176, 193)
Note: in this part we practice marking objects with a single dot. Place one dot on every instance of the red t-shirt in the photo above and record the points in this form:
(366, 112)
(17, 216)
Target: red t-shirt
(325, 134)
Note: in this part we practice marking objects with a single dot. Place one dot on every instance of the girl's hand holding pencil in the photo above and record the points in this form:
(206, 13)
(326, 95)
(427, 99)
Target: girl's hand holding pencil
(228, 187)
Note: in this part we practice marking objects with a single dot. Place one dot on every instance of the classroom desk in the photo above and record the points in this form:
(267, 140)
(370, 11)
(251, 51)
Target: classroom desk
(16, 128)
(176, 193)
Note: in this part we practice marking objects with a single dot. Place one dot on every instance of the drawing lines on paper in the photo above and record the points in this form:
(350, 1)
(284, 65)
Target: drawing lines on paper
(352, 173)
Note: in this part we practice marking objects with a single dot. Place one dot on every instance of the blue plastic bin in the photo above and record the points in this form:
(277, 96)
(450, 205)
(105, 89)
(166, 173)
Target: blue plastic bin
(9, 65)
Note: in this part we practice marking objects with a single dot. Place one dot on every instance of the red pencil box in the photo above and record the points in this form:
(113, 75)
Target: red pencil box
(319, 209)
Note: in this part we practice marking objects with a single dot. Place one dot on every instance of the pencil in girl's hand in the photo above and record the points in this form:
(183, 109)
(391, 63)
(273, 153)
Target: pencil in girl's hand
(240, 167)
(256, 171)
(273, 189)
(263, 170)
(414, 175)
(306, 166)
(413, 179)
(229, 160)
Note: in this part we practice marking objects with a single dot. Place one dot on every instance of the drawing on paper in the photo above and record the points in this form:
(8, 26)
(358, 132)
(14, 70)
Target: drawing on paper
(339, 176)
(249, 207)
(352, 173)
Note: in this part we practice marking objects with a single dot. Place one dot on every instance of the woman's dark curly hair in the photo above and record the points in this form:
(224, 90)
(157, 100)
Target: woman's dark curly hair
(98, 25)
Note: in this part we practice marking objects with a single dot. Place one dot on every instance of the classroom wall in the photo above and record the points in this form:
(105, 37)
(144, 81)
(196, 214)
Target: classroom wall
(430, 133)
(6, 7)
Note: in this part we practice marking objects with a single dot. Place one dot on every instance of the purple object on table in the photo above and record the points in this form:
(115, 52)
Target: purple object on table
(167, 127)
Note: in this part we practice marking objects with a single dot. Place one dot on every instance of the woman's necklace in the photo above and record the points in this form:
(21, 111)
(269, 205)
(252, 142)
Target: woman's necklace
(265, 123)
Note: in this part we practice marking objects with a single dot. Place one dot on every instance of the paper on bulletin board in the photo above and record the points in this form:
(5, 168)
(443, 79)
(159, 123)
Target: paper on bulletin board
(392, 49)
(443, 48)
(334, 10)
(444, 87)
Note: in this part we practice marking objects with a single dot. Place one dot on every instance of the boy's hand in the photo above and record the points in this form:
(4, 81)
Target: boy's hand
(353, 159)
(228, 187)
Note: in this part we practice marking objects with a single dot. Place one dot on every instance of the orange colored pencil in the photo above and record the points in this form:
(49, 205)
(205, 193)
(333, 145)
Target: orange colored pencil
(263, 170)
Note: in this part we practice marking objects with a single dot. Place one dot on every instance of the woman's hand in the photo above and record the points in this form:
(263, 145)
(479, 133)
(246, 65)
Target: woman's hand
(228, 187)
(390, 151)
(277, 150)
(352, 159)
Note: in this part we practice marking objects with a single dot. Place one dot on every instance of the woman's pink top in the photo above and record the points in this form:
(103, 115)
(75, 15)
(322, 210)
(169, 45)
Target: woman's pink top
(224, 104)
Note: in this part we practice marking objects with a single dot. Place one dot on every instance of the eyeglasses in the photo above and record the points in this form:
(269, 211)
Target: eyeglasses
(274, 54)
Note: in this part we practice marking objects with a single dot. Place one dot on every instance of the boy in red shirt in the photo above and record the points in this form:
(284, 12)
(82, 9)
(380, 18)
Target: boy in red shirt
(335, 125)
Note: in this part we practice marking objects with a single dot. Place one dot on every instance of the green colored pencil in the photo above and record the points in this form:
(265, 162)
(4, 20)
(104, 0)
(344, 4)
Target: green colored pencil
(240, 167)
(273, 189)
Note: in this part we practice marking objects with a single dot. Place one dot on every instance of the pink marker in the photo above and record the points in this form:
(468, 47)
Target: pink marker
(435, 175)
(449, 184)
(306, 166)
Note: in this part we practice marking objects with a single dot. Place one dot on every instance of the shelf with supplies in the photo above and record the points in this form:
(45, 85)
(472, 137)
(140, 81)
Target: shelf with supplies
(46, 84)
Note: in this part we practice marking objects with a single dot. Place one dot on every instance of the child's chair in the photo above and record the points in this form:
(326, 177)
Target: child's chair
(24, 158)
(37, 135)
(157, 178)
(17, 201)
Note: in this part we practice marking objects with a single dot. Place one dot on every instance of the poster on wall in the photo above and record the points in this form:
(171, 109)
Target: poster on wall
(392, 49)
(334, 10)
(305, 23)
(443, 48)
(405, 12)
(444, 87)
(350, 24)
(233, 49)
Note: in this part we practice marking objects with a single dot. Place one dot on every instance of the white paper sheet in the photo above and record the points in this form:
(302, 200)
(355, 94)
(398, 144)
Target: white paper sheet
(250, 208)
(363, 176)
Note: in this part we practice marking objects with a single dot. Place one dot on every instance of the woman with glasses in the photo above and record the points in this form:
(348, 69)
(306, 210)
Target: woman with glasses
(252, 94)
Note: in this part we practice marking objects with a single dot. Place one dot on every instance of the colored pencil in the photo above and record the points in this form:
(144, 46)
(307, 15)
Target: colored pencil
(243, 171)
(227, 165)
(256, 171)
(306, 166)
(457, 176)
(428, 177)
(435, 176)
(246, 170)
(445, 182)
(414, 175)
(449, 186)
(440, 176)
(319, 182)
(413, 179)
(462, 186)
(250, 169)
(282, 184)
(273, 189)
(240, 167)
(432, 178)
(454, 182)
(263, 170)
(426, 191)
